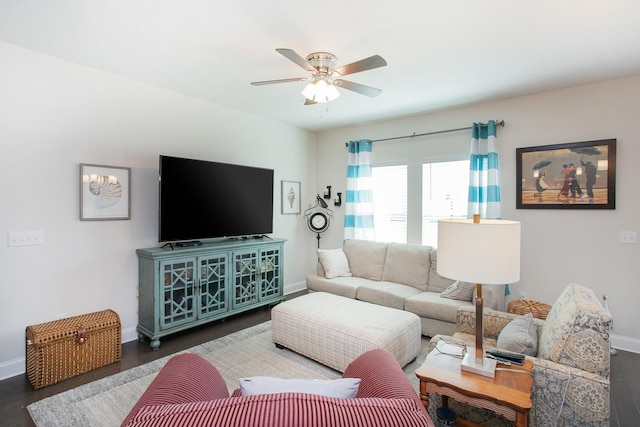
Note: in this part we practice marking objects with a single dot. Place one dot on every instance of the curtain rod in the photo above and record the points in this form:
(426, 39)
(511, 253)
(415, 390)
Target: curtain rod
(498, 123)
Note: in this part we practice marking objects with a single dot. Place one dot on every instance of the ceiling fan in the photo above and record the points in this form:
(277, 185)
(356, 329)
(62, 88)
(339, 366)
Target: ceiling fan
(325, 77)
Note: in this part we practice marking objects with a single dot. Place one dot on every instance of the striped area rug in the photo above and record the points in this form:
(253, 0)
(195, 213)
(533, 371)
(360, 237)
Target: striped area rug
(250, 352)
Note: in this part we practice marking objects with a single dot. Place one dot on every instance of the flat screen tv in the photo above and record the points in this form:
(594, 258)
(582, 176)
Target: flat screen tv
(204, 200)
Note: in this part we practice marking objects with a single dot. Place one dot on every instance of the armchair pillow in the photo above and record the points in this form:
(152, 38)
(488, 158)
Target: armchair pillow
(520, 336)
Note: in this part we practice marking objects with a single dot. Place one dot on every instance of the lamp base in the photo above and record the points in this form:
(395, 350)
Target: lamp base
(485, 366)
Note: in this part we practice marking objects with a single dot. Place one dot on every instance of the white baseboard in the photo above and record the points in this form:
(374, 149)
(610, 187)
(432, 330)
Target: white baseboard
(625, 343)
(12, 368)
(294, 287)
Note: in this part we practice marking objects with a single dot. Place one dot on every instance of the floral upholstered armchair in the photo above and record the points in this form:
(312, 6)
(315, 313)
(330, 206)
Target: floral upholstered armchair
(570, 369)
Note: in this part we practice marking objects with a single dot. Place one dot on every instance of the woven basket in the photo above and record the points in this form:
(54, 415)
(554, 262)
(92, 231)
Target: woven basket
(64, 348)
(538, 309)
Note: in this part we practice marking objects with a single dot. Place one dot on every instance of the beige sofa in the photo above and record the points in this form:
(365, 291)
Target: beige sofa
(401, 276)
(570, 369)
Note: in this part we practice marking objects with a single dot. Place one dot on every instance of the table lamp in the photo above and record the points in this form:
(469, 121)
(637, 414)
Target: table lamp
(484, 252)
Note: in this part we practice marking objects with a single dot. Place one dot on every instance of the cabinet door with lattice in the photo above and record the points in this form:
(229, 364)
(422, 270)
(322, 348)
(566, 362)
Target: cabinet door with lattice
(245, 290)
(177, 297)
(213, 288)
(270, 273)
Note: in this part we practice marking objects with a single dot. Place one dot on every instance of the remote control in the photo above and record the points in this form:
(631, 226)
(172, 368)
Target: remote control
(505, 356)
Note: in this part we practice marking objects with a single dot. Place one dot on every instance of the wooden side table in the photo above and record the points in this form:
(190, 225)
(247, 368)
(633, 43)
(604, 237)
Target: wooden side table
(508, 394)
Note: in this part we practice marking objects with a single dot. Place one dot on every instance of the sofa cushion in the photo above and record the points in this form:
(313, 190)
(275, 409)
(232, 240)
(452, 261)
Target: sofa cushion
(408, 265)
(342, 286)
(334, 263)
(520, 336)
(384, 293)
(437, 283)
(345, 388)
(462, 291)
(366, 258)
(286, 409)
(430, 305)
(576, 331)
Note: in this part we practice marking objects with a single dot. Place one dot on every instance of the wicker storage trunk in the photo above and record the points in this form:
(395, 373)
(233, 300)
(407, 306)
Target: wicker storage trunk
(64, 348)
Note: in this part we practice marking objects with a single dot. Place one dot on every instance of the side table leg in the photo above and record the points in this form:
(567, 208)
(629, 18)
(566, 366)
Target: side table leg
(445, 401)
(522, 419)
(424, 396)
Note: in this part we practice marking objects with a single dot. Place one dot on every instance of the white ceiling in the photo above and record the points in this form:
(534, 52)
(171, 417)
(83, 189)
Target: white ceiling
(440, 54)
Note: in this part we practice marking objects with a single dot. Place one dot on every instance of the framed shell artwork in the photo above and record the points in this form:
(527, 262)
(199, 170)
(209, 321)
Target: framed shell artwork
(105, 192)
(290, 197)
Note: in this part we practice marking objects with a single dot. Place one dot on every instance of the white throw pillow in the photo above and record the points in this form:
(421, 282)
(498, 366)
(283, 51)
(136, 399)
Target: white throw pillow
(334, 262)
(461, 291)
(520, 336)
(342, 388)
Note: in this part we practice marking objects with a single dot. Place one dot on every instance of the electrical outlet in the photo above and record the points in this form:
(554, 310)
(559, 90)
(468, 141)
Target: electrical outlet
(522, 295)
(628, 237)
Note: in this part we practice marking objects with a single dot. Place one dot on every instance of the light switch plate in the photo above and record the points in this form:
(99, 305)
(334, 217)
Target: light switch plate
(25, 238)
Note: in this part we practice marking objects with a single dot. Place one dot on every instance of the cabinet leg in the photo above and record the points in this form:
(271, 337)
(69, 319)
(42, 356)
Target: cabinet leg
(140, 337)
(155, 344)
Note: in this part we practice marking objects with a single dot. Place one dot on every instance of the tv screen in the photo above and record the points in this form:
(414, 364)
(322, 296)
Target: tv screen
(202, 200)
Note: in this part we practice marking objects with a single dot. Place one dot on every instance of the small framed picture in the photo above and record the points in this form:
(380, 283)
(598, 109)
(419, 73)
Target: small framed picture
(577, 175)
(105, 193)
(290, 197)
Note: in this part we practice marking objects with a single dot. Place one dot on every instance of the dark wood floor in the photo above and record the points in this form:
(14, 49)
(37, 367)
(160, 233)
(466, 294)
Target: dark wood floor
(16, 393)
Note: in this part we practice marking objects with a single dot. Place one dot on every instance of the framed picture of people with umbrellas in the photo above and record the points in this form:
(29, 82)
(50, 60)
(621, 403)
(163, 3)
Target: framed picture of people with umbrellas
(577, 175)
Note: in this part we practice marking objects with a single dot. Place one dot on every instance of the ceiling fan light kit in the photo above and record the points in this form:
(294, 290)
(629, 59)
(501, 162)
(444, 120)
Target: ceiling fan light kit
(321, 90)
(326, 77)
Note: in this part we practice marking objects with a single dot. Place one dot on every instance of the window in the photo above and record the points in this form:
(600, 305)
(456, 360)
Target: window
(445, 187)
(390, 203)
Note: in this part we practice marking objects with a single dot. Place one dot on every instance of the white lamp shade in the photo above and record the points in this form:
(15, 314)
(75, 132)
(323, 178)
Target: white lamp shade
(487, 252)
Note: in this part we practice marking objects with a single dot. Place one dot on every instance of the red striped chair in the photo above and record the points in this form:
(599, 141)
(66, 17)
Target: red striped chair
(189, 391)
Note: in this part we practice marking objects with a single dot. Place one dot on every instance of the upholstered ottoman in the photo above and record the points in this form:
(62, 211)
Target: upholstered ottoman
(334, 330)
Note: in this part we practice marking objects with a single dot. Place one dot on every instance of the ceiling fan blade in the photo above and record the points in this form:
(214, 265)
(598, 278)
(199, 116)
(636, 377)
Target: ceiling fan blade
(375, 61)
(290, 54)
(309, 102)
(359, 88)
(270, 82)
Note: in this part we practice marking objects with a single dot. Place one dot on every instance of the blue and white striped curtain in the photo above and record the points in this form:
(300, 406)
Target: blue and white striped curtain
(358, 218)
(484, 180)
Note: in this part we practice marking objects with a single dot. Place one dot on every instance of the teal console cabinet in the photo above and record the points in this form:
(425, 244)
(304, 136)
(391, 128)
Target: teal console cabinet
(184, 287)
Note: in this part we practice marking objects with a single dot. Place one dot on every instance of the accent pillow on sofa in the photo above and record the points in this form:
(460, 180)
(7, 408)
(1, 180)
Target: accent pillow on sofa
(461, 291)
(520, 336)
(334, 262)
(342, 387)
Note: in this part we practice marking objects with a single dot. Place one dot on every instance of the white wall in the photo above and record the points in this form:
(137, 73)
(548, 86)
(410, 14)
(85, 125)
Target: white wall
(558, 246)
(55, 115)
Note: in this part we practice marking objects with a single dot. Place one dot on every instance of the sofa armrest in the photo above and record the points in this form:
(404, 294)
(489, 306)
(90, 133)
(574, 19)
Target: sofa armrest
(381, 376)
(184, 378)
(574, 396)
